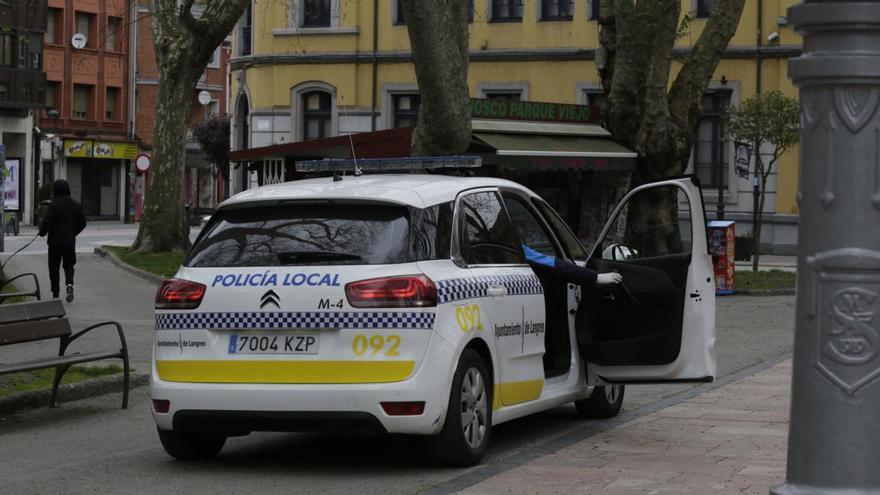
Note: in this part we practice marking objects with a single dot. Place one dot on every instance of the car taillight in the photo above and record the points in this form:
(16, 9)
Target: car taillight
(408, 291)
(179, 294)
(403, 408)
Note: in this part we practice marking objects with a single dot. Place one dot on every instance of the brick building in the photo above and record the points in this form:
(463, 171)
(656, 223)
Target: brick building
(204, 187)
(86, 137)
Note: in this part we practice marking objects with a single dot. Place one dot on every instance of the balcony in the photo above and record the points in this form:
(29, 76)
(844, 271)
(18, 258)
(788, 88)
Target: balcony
(24, 90)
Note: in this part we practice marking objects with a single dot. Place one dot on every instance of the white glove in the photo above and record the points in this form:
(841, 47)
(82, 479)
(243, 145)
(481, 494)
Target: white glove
(609, 278)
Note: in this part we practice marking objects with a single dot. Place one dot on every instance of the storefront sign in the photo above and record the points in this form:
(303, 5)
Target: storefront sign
(11, 184)
(99, 149)
(119, 151)
(77, 149)
(532, 110)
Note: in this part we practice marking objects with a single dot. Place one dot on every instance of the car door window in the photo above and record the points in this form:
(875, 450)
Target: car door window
(488, 236)
(570, 244)
(652, 234)
(531, 230)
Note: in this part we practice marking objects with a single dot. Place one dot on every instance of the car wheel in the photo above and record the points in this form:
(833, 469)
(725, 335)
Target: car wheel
(190, 445)
(604, 403)
(465, 434)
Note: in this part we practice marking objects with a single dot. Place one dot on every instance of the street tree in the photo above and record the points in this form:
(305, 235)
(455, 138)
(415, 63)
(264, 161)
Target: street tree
(184, 43)
(647, 113)
(213, 137)
(768, 119)
(438, 34)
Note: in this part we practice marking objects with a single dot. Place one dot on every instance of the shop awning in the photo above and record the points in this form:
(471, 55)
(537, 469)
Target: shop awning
(558, 152)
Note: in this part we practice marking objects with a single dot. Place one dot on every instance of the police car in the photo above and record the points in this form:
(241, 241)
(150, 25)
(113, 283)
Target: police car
(402, 304)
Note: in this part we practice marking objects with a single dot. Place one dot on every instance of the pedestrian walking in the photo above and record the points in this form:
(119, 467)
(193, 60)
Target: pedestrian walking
(63, 221)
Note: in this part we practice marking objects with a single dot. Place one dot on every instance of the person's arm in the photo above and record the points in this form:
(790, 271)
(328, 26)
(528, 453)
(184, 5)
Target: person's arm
(568, 271)
(80, 220)
(47, 221)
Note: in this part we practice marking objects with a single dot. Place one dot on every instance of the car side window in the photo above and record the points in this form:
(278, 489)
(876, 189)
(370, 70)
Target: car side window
(531, 230)
(570, 243)
(650, 235)
(487, 234)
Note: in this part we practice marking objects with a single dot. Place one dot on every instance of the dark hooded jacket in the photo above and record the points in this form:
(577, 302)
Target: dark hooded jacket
(64, 218)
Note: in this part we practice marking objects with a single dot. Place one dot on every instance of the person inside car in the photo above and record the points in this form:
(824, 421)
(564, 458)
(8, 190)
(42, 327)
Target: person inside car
(566, 271)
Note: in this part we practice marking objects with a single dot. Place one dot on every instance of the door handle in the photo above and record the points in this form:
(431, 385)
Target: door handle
(497, 291)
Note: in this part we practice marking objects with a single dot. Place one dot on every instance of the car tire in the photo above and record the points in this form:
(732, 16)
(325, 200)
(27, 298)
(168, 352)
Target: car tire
(190, 445)
(605, 402)
(466, 430)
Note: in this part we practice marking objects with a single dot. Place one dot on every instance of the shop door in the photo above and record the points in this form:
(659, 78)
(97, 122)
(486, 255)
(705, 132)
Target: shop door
(99, 189)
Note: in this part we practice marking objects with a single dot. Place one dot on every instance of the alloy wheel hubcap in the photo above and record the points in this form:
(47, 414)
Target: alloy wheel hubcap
(474, 408)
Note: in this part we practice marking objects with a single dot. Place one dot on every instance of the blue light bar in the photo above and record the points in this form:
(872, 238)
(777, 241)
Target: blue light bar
(388, 164)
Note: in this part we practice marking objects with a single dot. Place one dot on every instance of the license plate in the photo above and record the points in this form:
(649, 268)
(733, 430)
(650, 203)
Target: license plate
(273, 344)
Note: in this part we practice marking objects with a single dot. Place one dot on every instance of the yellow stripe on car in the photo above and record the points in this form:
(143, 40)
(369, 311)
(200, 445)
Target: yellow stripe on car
(510, 393)
(287, 372)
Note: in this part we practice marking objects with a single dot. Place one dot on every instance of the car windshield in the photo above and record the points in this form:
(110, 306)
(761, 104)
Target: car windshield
(305, 234)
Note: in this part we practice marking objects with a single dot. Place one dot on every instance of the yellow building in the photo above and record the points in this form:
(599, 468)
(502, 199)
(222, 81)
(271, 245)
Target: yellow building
(306, 69)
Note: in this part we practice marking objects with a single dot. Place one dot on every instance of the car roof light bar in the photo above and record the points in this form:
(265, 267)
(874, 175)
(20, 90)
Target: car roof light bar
(388, 164)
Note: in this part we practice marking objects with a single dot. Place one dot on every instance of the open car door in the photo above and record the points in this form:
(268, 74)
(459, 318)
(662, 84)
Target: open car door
(659, 324)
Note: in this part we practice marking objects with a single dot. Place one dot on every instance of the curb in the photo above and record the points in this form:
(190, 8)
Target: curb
(71, 392)
(149, 277)
(765, 292)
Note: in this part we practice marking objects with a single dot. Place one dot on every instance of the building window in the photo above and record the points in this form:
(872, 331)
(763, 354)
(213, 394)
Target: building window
(82, 101)
(596, 99)
(23, 52)
(399, 15)
(213, 108)
(557, 10)
(52, 95)
(84, 24)
(113, 34)
(244, 32)
(317, 115)
(111, 104)
(54, 27)
(594, 9)
(406, 109)
(6, 50)
(507, 10)
(704, 7)
(316, 13)
(503, 95)
(710, 148)
(214, 63)
(4, 92)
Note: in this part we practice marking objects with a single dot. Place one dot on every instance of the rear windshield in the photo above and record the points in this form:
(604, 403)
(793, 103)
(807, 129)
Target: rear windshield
(325, 234)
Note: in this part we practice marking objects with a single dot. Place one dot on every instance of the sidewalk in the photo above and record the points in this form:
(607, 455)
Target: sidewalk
(729, 440)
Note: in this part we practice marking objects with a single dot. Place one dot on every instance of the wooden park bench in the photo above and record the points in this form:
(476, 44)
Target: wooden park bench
(41, 320)
(35, 293)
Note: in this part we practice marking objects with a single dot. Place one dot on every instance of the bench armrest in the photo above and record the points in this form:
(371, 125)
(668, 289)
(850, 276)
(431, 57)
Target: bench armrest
(66, 341)
(35, 293)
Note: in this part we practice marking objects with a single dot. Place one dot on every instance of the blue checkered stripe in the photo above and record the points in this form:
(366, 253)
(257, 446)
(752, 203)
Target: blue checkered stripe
(333, 320)
(473, 287)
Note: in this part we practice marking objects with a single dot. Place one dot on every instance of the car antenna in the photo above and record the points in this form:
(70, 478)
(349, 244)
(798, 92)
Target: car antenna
(357, 170)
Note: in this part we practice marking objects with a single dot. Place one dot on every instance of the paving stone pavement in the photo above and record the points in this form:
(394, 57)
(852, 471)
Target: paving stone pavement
(730, 440)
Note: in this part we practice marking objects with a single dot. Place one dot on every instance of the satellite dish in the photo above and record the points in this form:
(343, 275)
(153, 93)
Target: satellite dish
(78, 41)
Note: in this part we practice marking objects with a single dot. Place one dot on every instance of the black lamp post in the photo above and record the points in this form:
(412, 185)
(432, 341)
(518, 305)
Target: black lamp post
(724, 101)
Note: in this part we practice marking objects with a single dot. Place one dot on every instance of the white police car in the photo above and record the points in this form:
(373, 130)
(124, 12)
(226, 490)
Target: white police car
(402, 304)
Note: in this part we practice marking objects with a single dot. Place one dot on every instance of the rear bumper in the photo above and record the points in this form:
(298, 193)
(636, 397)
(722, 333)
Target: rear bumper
(243, 407)
(232, 422)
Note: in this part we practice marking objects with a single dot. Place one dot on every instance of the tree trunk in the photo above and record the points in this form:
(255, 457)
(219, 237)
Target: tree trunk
(759, 226)
(647, 114)
(164, 225)
(184, 44)
(438, 34)
(652, 222)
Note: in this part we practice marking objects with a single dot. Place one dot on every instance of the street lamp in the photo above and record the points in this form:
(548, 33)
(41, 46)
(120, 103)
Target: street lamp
(724, 95)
